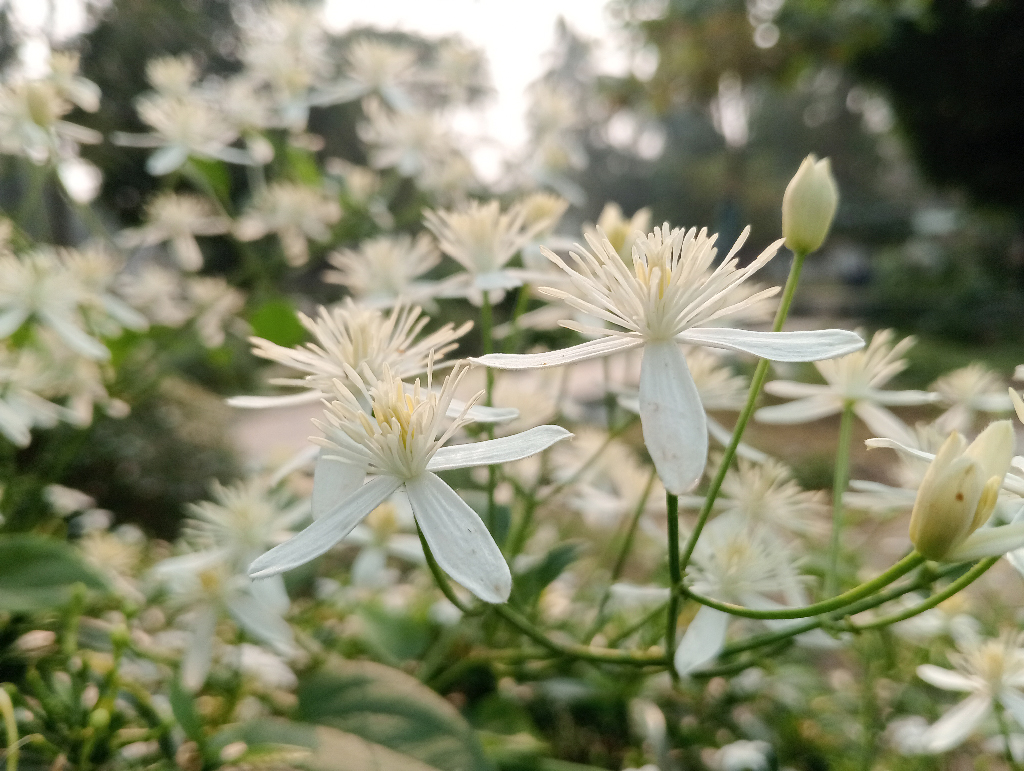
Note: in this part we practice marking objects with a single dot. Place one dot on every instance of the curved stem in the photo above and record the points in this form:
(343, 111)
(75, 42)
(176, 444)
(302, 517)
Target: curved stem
(675, 573)
(582, 652)
(839, 482)
(964, 581)
(11, 727)
(440, 577)
(901, 568)
(760, 372)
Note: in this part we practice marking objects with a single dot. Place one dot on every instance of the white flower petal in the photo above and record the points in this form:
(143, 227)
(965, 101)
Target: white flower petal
(263, 402)
(75, 337)
(892, 444)
(591, 349)
(494, 451)
(1014, 704)
(481, 414)
(325, 531)
(333, 482)
(800, 410)
(458, 539)
(166, 159)
(903, 398)
(882, 422)
(946, 679)
(956, 725)
(259, 620)
(988, 542)
(497, 279)
(195, 664)
(672, 417)
(272, 593)
(791, 389)
(811, 345)
(703, 640)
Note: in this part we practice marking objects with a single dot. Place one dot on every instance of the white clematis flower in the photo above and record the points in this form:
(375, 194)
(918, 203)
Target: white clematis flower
(670, 296)
(177, 219)
(990, 671)
(383, 270)
(968, 391)
(857, 378)
(399, 444)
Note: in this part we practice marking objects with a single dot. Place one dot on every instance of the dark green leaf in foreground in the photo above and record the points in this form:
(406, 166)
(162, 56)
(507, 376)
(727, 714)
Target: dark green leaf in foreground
(388, 707)
(37, 573)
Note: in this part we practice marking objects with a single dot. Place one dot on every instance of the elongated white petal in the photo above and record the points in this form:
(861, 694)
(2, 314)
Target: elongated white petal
(75, 337)
(882, 422)
(264, 402)
(166, 159)
(1014, 704)
(333, 482)
(591, 349)
(791, 389)
(494, 451)
(481, 414)
(723, 436)
(703, 640)
(272, 593)
(812, 345)
(195, 664)
(903, 398)
(672, 417)
(458, 539)
(259, 619)
(956, 725)
(946, 679)
(800, 410)
(326, 531)
(988, 542)
(892, 444)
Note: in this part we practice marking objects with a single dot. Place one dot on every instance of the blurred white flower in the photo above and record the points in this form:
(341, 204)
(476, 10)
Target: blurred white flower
(668, 298)
(387, 531)
(384, 269)
(23, 380)
(375, 67)
(78, 90)
(858, 379)
(157, 292)
(620, 232)
(400, 445)
(968, 391)
(177, 219)
(31, 122)
(990, 671)
(214, 302)
(293, 211)
(414, 143)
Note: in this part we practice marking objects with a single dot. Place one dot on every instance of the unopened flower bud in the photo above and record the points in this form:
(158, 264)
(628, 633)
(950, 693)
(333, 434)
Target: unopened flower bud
(960, 489)
(809, 205)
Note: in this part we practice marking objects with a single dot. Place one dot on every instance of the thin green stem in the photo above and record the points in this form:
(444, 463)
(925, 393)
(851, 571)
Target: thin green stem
(675, 573)
(839, 481)
(612, 642)
(440, 577)
(487, 333)
(522, 302)
(964, 581)
(866, 589)
(760, 372)
(11, 726)
(582, 652)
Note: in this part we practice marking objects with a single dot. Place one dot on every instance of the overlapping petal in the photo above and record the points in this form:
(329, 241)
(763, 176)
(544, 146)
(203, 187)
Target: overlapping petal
(808, 345)
(703, 640)
(506, 449)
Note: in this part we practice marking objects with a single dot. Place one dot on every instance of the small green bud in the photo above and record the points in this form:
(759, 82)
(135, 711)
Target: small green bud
(99, 718)
(809, 205)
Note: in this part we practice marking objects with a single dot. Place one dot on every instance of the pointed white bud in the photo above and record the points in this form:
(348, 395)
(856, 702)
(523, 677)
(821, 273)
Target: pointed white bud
(809, 205)
(960, 489)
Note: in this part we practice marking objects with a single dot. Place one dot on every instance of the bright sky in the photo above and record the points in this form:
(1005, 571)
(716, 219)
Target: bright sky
(516, 36)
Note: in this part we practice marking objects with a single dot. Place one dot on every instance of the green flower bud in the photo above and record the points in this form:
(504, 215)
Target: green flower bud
(809, 205)
(960, 489)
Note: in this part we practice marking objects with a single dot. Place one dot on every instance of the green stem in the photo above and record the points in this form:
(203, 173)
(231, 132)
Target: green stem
(964, 581)
(11, 726)
(760, 372)
(638, 625)
(653, 657)
(901, 568)
(522, 302)
(842, 475)
(517, 539)
(440, 577)
(675, 574)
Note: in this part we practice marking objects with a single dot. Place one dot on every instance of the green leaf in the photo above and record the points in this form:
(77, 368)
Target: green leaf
(275, 320)
(183, 705)
(37, 573)
(303, 166)
(388, 707)
(531, 582)
(398, 636)
(331, 750)
(211, 176)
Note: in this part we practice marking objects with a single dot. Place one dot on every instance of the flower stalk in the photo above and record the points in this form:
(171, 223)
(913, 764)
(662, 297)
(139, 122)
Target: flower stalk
(842, 475)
